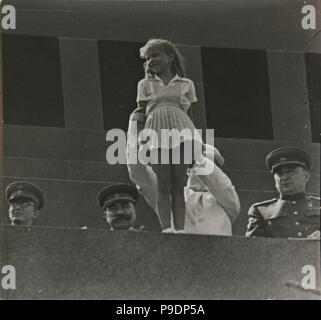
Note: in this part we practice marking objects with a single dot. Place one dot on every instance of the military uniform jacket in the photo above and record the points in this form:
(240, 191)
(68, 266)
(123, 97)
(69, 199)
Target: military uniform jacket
(298, 217)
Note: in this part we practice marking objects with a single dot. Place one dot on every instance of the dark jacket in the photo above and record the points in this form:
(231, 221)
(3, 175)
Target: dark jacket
(298, 217)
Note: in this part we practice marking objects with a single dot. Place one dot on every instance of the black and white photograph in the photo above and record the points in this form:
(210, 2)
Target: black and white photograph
(161, 151)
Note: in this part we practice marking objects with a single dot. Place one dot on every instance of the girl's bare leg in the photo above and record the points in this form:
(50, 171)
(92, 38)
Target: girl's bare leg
(178, 199)
(164, 205)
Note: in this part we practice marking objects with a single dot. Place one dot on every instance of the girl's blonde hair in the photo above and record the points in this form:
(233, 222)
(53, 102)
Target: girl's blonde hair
(167, 47)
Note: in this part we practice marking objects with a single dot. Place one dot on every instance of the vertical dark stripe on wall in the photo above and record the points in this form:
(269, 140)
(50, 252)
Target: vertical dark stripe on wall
(32, 81)
(236, 86)
(120, 70)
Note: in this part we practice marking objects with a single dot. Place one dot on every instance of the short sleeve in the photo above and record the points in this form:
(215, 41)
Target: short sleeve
(142, 92)
(190, 92)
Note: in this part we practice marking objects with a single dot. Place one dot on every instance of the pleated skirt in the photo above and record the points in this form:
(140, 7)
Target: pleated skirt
(162, 120)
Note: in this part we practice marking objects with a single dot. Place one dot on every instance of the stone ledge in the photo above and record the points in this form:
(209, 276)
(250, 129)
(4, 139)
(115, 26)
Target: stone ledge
(54, 263)
(91, 145)
(99, 171)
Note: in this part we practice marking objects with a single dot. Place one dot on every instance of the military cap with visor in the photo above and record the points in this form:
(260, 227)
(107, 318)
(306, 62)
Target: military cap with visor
(25, 190)
(288, 156)
(116, 192)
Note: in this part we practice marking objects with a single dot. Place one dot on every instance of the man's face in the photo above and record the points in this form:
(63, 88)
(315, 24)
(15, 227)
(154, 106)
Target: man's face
(120, 214)
(22, 211)
(291, 179)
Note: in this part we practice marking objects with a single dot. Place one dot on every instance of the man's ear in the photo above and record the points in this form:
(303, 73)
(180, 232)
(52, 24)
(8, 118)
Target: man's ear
(35, 214)
(307, 175)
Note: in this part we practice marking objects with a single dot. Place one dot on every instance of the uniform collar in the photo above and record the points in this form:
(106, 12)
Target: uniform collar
(293, 197)
(175, 78)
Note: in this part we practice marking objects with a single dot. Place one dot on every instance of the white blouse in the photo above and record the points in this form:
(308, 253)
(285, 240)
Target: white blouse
(178, 91)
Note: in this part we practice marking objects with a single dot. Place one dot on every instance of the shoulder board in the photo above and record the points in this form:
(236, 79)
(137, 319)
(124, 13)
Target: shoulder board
(314, 198)
(265, 203)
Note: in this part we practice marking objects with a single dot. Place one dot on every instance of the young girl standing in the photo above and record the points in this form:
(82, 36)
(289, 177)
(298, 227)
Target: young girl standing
(165, 96)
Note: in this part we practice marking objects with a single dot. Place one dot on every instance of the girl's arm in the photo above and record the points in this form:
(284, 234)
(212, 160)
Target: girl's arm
(141, 107)
(191, 109)
(190, 93)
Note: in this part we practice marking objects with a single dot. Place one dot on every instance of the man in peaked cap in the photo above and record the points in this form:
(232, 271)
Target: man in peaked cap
(25, 200)
(118, 202)
(293, 214)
